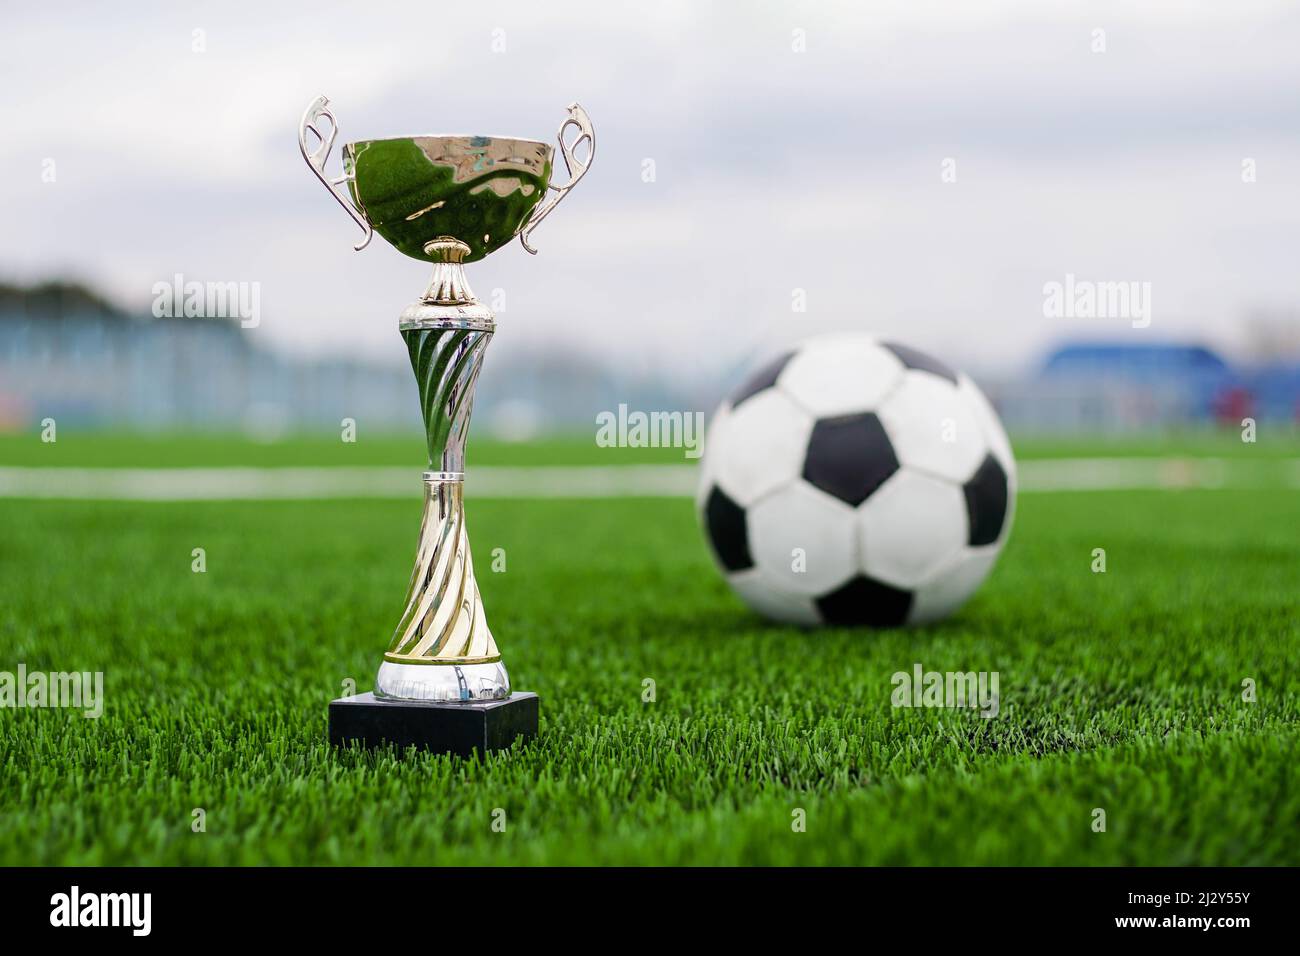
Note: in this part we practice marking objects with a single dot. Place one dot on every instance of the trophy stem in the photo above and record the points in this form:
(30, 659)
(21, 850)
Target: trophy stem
(442, 648)
(448, 285)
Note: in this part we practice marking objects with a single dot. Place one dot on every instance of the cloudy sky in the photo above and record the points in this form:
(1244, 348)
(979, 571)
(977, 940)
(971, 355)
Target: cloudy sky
(794, 147)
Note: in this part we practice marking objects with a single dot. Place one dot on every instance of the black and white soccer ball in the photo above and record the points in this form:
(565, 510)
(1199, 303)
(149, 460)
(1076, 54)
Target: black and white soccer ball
(856, 482)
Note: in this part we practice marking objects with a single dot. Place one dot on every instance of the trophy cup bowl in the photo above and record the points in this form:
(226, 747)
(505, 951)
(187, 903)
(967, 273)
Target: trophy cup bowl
(447, 200)
(476, 189)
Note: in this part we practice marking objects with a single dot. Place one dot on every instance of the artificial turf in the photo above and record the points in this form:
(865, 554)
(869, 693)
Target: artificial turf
(1120, 691)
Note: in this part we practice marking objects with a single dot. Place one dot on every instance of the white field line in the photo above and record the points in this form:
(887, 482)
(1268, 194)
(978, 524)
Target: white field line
(216, 484)
(603, 481)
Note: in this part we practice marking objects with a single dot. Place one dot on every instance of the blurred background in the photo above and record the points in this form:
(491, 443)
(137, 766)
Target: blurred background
(1091, 207)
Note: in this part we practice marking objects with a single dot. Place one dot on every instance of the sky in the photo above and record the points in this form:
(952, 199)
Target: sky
(919, 170)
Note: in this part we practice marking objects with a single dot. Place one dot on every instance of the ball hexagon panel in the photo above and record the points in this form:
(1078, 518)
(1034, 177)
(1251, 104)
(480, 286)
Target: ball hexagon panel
(849, 457)
(863, 601)
(820, 527)
(760, 446)
(953, 585)
(724, 520)
(910, 527)
(932, 429)
(769, 599)
(834, 375)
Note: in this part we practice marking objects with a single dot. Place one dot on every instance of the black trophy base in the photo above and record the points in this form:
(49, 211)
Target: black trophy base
(461, 729)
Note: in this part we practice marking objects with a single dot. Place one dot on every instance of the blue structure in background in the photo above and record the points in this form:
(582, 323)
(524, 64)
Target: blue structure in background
(1179, 384)
(1190, 375)
(1183, 362)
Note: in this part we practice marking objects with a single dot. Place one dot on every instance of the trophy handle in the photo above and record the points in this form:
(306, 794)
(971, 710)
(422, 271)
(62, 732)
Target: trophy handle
(318, 157)
(579, 120)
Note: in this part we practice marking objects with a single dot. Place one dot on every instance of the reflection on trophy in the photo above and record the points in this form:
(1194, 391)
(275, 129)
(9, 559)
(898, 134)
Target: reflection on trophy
(447, 200)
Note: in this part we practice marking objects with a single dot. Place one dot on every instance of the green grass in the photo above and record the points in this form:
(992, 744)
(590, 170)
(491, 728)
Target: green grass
(1120, 691)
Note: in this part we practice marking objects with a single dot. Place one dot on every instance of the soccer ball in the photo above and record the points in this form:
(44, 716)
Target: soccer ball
(852, 482)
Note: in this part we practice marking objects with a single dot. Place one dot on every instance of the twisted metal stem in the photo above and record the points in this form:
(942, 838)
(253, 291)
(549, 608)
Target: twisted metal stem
(446, 363)
(443, 621)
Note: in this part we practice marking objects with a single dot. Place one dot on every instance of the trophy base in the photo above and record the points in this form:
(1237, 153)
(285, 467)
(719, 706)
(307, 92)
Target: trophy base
(461, 729)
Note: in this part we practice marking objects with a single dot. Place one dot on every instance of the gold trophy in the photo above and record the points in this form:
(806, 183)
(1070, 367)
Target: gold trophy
(447, 200)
